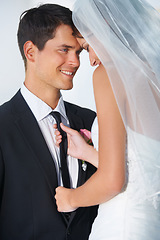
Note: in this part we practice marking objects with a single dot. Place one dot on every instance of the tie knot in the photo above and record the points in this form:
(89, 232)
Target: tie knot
(57, 116)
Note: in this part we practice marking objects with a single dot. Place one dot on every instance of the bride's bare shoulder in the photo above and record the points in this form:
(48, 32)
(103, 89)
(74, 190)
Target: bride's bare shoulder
(100, 74)
(99, 70)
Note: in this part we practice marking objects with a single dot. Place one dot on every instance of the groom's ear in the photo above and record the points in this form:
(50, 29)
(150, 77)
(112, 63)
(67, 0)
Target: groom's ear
(29, 50)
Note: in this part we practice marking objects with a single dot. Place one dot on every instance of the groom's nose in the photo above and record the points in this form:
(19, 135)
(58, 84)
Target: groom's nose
(74, 60)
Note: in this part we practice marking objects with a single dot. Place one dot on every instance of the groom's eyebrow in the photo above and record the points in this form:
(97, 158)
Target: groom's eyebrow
(67, 46)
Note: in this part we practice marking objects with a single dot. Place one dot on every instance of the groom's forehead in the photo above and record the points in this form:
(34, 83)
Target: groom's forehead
(64, 37)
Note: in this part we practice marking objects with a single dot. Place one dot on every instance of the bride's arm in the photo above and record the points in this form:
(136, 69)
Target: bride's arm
(109, 178)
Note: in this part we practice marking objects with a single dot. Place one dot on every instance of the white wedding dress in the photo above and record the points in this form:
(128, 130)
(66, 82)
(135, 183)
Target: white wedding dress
(131, 215)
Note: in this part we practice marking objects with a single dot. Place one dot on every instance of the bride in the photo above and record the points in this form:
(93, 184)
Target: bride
(125, 37)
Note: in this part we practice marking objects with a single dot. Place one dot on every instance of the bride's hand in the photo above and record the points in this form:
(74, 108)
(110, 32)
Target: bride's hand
(58, 136)
(63, 197)
(77, 146)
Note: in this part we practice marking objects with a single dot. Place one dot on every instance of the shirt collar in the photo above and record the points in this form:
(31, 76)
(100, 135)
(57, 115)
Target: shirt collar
(39, 108)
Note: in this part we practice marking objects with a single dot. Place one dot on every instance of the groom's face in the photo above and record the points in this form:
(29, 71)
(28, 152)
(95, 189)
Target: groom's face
(57, 63)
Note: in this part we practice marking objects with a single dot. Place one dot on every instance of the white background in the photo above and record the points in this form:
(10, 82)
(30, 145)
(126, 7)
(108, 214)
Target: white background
(11, 63)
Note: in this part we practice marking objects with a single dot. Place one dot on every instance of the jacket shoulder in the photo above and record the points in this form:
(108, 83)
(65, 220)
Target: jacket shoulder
(86, 115)
(80, 110)
(6, 109)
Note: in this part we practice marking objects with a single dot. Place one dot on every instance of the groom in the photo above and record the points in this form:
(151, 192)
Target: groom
(30, 167)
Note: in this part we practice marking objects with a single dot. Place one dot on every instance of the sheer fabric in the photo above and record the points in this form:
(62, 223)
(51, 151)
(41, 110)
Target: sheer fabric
(125, 35)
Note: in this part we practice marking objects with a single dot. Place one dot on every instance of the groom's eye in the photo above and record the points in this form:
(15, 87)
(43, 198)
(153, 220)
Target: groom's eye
(64, 49)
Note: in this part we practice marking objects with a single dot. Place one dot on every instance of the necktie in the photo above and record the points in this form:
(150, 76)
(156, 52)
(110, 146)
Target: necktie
(63, 151)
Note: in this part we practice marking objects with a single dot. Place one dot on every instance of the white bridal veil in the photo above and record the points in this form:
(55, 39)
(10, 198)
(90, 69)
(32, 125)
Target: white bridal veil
(125, 35)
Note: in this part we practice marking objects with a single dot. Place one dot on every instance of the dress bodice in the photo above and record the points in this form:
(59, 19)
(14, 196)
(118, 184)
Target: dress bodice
(94, 133)
(142, 165)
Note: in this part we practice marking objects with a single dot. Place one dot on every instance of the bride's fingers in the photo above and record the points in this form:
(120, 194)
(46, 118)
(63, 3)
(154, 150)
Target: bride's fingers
(57, 133)
(68, 130)
(58, 137)
(55, 126)
(58, 140)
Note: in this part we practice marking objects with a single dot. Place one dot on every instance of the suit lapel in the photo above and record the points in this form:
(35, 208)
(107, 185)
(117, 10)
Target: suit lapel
(28, 126)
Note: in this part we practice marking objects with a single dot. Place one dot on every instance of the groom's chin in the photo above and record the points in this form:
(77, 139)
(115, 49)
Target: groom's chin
(68, 86)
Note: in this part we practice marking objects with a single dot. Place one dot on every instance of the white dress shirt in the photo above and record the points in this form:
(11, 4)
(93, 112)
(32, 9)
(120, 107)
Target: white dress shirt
(41, 112)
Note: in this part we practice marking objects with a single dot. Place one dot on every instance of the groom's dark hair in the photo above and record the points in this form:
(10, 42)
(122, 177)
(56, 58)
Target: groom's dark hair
(39, 24)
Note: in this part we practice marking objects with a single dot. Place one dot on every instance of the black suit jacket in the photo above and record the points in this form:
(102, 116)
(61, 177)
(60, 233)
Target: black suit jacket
(28, 178)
